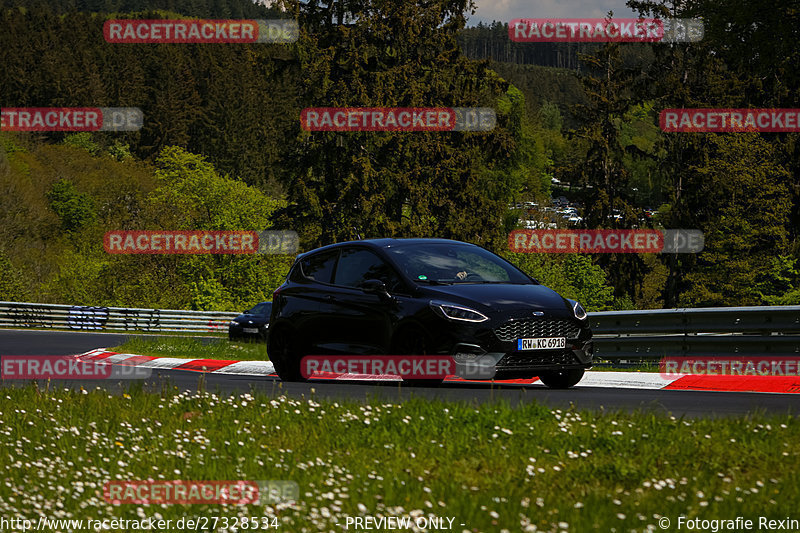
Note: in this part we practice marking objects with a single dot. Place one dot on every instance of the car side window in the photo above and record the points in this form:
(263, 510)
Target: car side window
(296, 274)
(357, 266)
(319, 267)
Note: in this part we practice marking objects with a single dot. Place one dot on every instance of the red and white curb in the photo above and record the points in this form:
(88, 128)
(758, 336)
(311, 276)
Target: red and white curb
(214, 366)
(613, 380)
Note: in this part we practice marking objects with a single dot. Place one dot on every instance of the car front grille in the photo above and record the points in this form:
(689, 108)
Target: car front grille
(536, 328)
(518, 359)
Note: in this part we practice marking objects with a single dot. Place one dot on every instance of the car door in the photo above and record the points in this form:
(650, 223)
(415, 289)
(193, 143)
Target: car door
(359, 323)
(307, 301)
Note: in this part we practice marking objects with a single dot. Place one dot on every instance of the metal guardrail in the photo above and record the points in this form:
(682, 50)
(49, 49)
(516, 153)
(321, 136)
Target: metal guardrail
(619, 335)
(770, 331)
(57, 316)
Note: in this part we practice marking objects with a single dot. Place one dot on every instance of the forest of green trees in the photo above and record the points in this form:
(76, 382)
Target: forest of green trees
(222, 148)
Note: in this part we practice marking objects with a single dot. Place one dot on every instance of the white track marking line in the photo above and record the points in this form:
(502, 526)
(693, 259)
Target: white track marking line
(251, 368)
(165, 363)
(116, 358)
(627, 380)
(98, 351)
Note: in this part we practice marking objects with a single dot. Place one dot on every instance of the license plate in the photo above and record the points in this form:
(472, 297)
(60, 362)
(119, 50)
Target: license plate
(250, 330)
(545, 343)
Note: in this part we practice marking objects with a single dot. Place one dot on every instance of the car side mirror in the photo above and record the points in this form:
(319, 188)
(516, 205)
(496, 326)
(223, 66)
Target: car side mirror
(376, 286)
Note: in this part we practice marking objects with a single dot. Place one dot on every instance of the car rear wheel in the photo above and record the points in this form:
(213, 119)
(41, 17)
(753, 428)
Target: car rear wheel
(563, 379)
(285, 356)
(414, 342)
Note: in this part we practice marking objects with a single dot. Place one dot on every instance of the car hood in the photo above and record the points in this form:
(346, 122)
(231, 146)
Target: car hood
(502, 297)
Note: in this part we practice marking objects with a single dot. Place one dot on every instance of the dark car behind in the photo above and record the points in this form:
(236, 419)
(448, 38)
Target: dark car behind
(252, 323)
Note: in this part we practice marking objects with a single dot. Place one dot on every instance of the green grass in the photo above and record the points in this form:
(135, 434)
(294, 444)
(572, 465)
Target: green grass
(492, 467)
(189, 348)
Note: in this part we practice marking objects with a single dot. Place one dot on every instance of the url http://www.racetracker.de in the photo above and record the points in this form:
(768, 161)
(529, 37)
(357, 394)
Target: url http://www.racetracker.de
(201, 523)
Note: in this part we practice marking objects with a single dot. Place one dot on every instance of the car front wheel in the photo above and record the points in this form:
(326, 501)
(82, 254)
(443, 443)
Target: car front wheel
(563, 379)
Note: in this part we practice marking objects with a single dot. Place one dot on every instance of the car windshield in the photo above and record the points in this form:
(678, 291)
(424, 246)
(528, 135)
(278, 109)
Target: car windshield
(451, 263)
(261, 309)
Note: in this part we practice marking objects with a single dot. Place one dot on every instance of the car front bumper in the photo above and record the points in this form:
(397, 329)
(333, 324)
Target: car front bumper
(490, 351)
(238, 332)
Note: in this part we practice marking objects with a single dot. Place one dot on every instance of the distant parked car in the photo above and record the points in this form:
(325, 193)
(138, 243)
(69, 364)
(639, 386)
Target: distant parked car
(252, 323)
(536, 224)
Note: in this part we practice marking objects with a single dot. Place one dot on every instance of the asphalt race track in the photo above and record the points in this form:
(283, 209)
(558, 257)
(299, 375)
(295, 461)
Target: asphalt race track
(675, 402)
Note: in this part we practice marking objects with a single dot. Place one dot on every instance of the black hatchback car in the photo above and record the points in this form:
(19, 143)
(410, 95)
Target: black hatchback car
(426, 297)
(252, 323)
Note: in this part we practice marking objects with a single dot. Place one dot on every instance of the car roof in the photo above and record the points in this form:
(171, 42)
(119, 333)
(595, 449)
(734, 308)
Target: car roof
(384, 244)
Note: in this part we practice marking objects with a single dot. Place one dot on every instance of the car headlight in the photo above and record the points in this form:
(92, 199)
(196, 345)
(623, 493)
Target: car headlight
(233, 323)
(578, 310)
(457, 312)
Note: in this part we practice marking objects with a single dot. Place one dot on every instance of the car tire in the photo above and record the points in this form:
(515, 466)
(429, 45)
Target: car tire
(563, 379)
(414, 342)
(285, 357)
